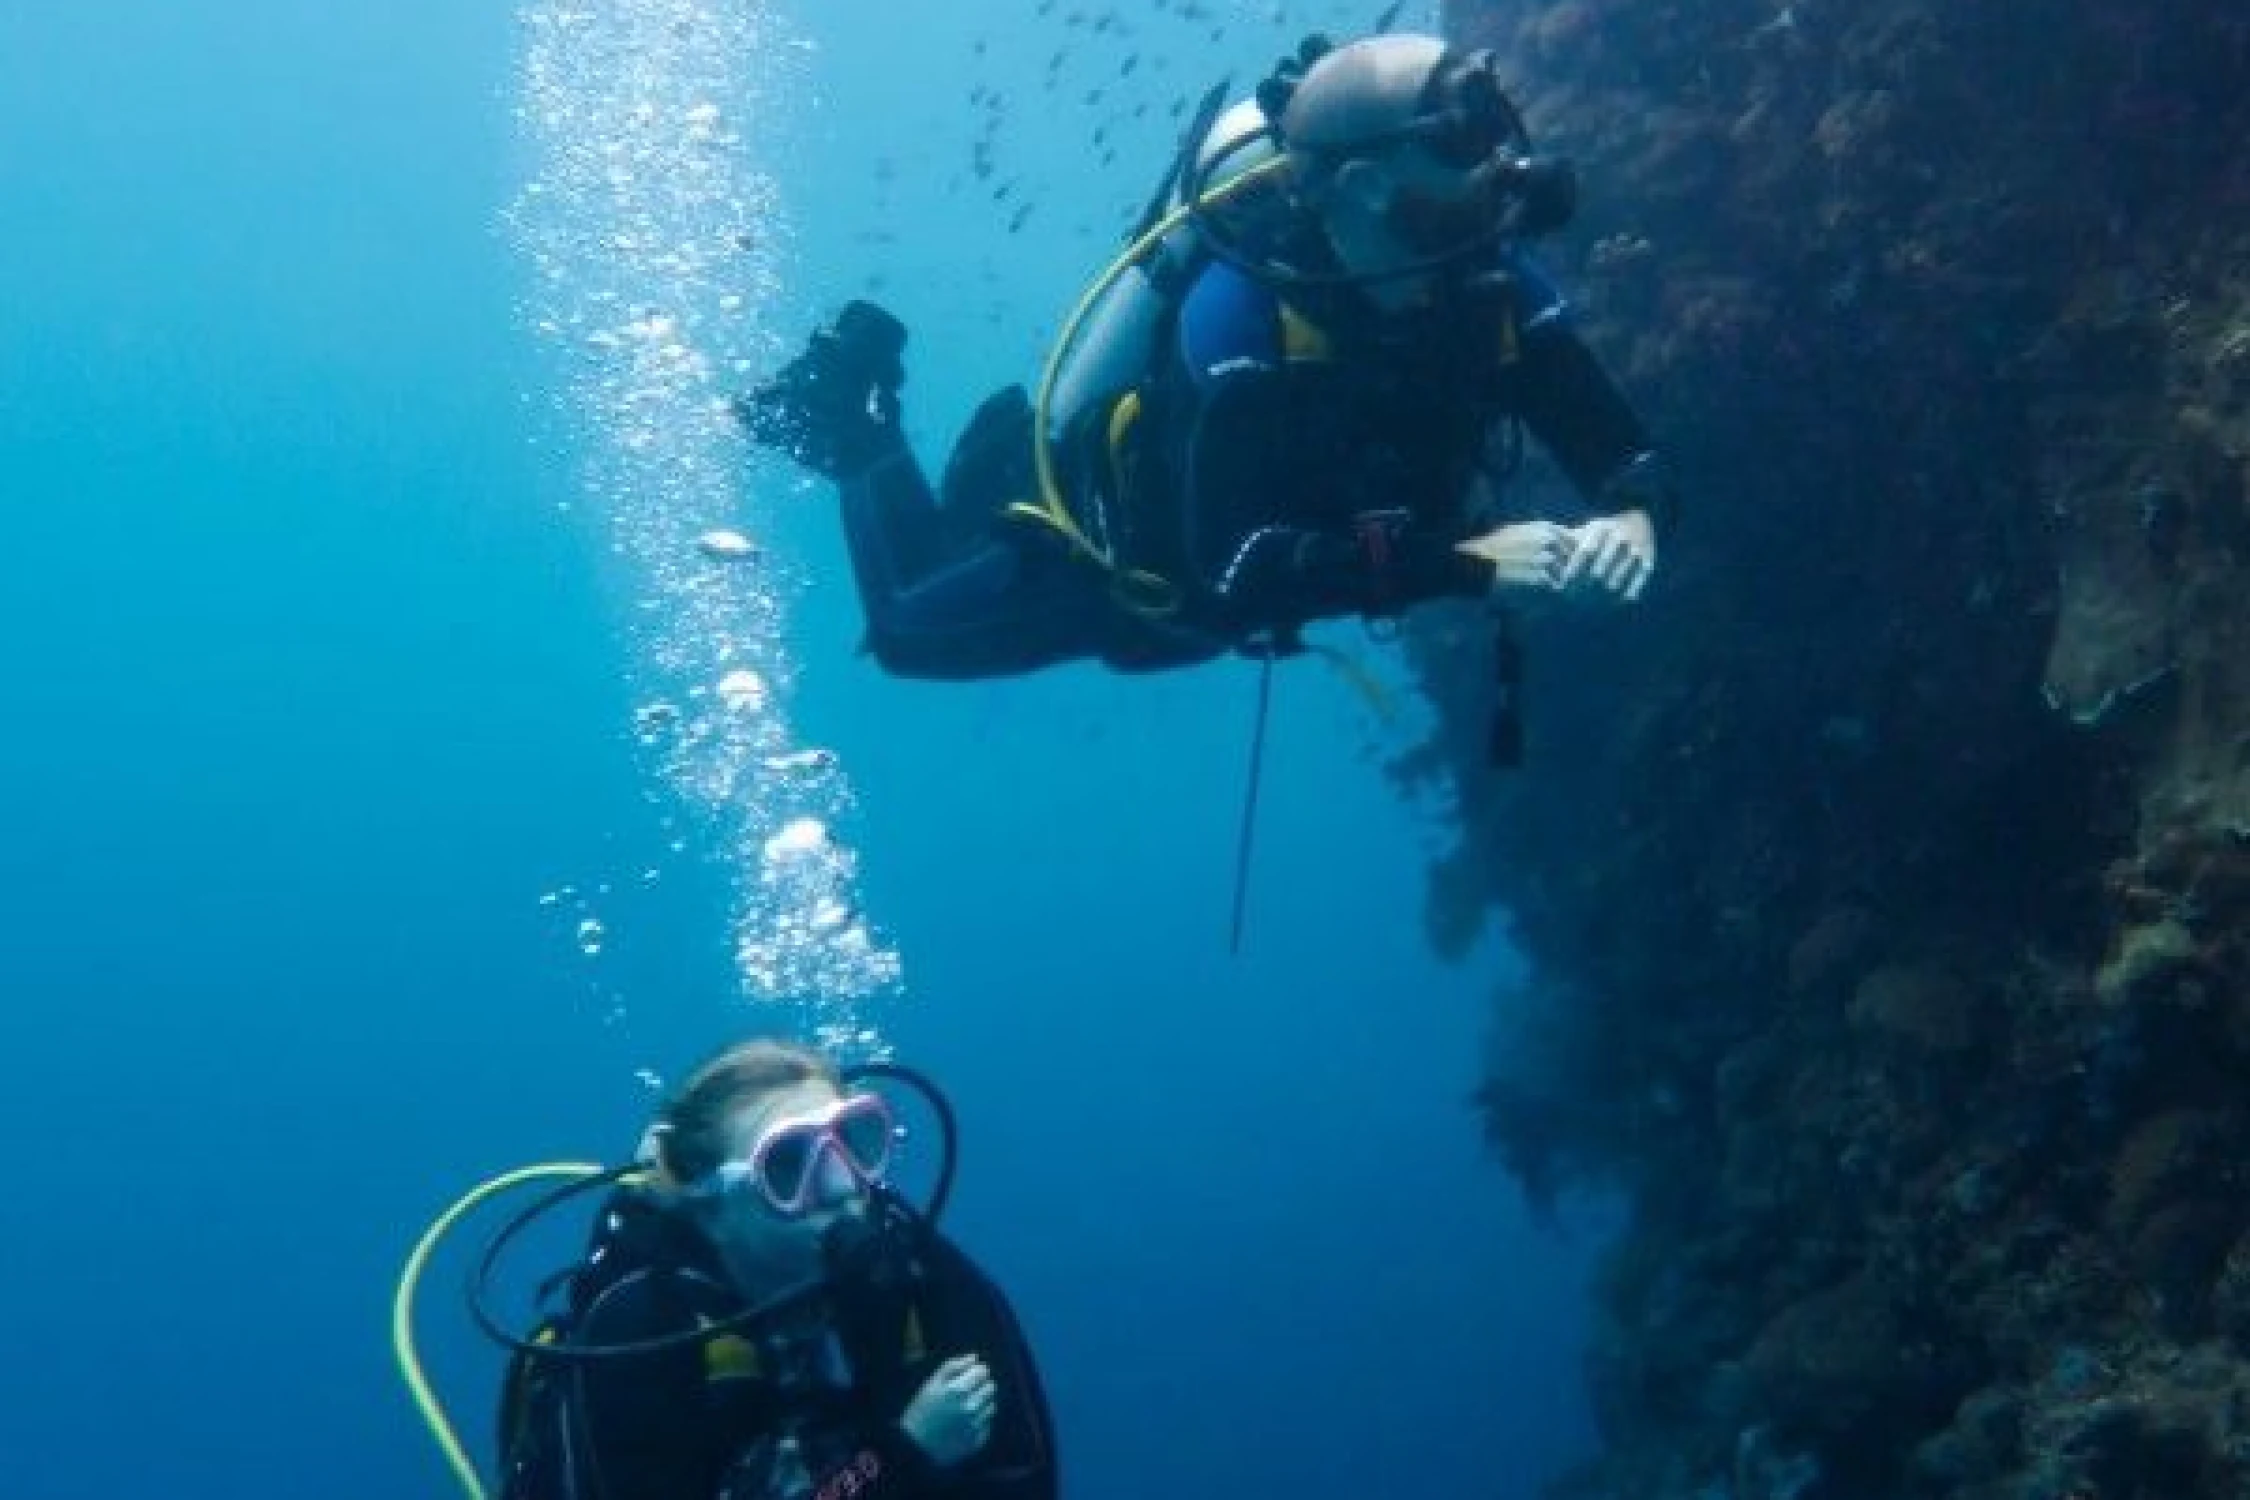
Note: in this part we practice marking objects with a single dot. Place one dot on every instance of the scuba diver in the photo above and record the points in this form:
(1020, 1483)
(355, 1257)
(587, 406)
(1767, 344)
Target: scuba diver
(760, 1315)
(1295, 397)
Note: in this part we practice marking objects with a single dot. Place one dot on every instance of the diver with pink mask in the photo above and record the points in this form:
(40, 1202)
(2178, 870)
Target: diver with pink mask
(761, 1315)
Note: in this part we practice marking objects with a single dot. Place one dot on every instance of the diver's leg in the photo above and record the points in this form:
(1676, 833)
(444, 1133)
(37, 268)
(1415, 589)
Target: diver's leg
(948, 590)
(893, 528)
(834, 408)
(992, 465)
(994, 607)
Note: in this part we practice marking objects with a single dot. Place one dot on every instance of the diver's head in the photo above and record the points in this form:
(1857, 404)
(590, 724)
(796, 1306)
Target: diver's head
(767, 1154)
(1412, 155)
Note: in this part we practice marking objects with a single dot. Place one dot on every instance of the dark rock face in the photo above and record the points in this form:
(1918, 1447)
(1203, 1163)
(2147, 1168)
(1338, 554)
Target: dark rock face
(1888, 871)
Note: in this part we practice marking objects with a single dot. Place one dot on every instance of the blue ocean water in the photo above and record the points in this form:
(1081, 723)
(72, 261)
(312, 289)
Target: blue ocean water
(323, 670)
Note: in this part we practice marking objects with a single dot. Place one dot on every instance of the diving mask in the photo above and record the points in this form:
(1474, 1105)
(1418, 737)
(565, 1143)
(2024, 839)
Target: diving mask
(1469, 125)
(803, 1161)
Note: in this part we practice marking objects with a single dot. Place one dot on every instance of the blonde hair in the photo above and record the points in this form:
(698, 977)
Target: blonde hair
(689, 1139)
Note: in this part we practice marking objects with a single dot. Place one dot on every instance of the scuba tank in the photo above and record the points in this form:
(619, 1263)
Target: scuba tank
(1130, 314)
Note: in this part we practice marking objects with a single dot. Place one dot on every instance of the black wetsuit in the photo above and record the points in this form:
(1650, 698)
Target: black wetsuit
(709, 1421)
(1284, 468)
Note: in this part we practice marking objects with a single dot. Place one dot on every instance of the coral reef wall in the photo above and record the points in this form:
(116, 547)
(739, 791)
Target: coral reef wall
(1887, 873)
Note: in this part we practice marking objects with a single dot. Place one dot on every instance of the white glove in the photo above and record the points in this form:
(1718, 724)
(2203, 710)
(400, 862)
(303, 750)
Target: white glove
(950, 1417)
(1614, 554)
(1527, 555)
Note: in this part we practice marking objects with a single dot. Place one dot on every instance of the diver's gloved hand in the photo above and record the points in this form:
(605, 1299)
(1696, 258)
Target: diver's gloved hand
(950, 1418)
(1613, 554)
(1528, 555)
(834, 408)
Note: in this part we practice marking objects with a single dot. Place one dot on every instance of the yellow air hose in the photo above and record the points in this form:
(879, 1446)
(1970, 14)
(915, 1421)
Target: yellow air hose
(409, 1282)
(1139, 589)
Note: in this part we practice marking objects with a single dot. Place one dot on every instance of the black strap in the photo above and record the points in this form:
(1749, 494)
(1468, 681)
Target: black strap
(1183, 160)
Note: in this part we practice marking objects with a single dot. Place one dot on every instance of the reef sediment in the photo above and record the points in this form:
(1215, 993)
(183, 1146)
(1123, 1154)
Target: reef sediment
(1886, 875)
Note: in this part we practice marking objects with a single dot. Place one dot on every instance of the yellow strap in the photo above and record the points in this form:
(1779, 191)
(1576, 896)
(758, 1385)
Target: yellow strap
(1124, 416)
(1358, 676)
(916, 1343)
(731, 1357)
(728, 1357)
(1302, 340)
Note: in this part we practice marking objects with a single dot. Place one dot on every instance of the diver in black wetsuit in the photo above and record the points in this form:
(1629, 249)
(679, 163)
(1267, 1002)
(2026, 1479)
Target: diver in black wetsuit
(764, 1319)
(1295, 399)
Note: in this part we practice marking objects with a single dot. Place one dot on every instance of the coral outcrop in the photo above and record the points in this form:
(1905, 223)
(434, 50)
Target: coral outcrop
(1887, 874)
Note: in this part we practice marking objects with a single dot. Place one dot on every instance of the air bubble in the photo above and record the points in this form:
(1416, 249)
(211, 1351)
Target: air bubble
(647, 141)
(811, 762)
(800, 839)
(743, 691)
(725, 546)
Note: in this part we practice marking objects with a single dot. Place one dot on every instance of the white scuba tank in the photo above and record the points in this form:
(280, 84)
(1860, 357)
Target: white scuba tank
(1118, 337)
